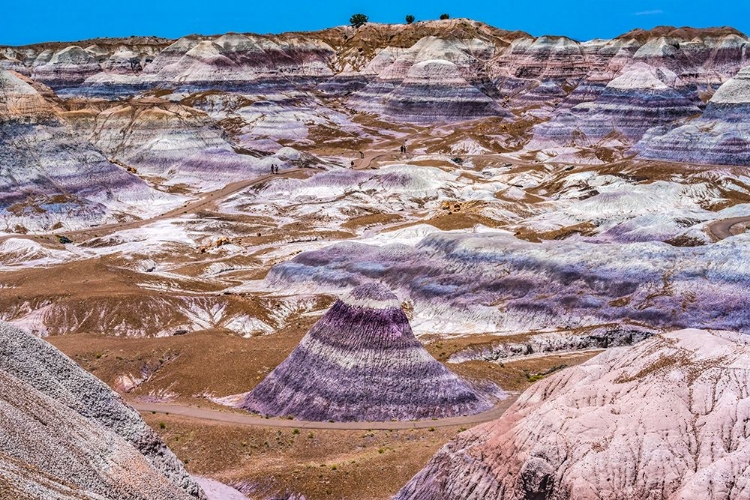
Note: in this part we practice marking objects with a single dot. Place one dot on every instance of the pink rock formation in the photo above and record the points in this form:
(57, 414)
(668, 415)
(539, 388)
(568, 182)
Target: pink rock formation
(664, 419)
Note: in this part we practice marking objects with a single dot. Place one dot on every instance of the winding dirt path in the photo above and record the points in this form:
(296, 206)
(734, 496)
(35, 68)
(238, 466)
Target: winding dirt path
(231, 417)
(722, 229)
(187, 208)
(213, 196)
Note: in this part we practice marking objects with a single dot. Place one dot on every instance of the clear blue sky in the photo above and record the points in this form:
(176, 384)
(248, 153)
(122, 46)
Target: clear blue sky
(29, 21)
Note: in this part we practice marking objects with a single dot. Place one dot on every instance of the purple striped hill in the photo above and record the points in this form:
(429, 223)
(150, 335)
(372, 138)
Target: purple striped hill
(362, 362)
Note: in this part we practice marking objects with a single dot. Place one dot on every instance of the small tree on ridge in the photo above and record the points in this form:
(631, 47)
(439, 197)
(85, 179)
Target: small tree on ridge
(445, 16)
(358, 20)
(409, 19)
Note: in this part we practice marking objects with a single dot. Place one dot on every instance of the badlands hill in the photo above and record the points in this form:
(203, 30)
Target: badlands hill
(67, 435)
(362, 362)
(593, 94)
(151, 119)
(720, 135)
(48, 175)
(665, 419)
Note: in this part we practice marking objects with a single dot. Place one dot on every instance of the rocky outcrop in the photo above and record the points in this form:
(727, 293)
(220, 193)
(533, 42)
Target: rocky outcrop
(720, 136)
(239, 59)
(361, 362)
(67, 67)
(62, 65)
(430, 81)
(665, 419)
(66, 434)
(556, 342)
(434, 91)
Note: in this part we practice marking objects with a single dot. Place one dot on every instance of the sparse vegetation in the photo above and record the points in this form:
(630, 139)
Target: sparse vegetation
(445, 16)
(358, 20)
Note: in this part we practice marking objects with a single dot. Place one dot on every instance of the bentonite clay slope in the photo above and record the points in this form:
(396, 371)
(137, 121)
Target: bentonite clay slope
(49, 176)
(600, 95)
(665, 419)
(362, 362)
(162, 139)
(638, 99)
(720, 136)
(65, 431)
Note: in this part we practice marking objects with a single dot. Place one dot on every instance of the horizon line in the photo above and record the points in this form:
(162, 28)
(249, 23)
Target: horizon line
(303, 31)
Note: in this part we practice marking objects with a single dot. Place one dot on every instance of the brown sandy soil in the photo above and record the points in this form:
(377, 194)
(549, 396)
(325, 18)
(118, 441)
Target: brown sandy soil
(371, 220)
(584, 229)
(511, 375)
(209, 362)
(319, 464)
(449, 221)
(518, 375)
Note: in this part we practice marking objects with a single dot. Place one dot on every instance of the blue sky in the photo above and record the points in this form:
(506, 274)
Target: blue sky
(29, 21)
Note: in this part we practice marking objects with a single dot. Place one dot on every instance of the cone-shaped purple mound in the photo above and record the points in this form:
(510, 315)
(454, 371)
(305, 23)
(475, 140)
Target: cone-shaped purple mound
(362, 362)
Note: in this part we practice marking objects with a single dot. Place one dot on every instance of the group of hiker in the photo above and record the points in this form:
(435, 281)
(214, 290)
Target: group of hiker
(274, 169)
(362, 155)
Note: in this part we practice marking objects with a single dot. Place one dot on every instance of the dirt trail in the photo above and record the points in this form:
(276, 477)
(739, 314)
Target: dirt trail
(187, 208)
(722, 229)
(249, 419)
(219, 194)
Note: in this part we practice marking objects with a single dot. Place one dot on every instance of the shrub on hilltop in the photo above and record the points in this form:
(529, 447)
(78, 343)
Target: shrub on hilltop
(358, 20)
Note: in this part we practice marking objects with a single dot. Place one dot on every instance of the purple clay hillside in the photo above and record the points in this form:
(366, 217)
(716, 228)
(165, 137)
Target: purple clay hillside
(362, 362)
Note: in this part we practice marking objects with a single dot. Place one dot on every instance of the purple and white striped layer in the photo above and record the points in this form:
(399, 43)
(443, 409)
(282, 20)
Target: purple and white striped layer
(362, 362)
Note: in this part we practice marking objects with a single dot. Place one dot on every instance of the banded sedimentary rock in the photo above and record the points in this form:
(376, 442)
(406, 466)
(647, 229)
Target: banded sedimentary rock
(232, 59)
(600, 96)
(665, 419)
(361, 362)
(159, 138)
(48, 175)
(494, 282)
(66, 435)
(67, 67)
(430, 81)
(434, 91)
(721, 135)
(640, 98)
